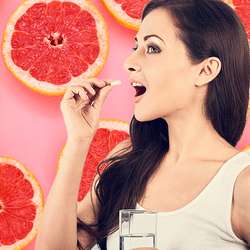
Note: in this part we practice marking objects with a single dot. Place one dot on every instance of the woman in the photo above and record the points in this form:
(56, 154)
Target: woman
(190, 69)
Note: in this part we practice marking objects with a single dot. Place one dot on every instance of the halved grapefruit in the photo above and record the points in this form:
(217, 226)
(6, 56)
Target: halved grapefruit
(126, 12)
(21, 204)
(47, 44)
(110, 133)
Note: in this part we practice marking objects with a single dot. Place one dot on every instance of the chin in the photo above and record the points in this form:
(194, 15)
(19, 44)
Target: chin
(139, 118)
(144, 117)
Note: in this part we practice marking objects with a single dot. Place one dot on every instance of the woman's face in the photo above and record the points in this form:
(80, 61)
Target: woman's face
(160, 64)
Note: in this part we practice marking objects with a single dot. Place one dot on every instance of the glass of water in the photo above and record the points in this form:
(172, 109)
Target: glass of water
(137, 228)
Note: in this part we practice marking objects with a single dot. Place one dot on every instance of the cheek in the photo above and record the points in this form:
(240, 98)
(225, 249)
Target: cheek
(170, 83)
(166, 82)
(171, 92)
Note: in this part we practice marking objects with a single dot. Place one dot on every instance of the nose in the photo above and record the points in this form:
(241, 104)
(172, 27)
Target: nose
(131, 64)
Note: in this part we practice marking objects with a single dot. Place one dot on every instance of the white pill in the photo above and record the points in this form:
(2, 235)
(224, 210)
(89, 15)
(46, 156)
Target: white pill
(115, 83)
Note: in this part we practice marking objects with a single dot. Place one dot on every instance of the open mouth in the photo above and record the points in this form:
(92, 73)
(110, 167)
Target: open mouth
(140, 89)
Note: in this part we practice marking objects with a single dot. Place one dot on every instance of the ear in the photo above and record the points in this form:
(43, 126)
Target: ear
(208, 70)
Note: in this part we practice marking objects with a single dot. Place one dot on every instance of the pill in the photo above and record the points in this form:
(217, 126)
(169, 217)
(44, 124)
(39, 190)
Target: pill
(115, 83)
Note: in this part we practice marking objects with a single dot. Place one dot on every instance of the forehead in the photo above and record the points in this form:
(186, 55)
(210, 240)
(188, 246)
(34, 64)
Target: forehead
(158, 22)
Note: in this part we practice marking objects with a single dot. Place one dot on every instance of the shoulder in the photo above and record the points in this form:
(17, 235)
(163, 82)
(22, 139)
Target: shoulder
(241, 205)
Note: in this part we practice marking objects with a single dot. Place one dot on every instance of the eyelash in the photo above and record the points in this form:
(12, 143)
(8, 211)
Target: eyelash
(149, 46)
(155, 48)
(135, 48)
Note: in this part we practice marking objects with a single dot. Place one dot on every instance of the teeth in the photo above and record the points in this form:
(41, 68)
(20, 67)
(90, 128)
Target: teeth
(136, 84)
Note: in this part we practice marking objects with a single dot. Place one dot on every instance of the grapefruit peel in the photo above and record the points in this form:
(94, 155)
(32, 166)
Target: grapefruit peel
(37, 200)
(116, 10)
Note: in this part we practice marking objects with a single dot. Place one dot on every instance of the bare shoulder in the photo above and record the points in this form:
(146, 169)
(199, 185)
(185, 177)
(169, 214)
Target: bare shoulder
(241, 205)
(242, 185)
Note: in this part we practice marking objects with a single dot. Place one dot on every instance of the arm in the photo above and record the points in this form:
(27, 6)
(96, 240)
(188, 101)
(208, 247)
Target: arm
(85, 210)
(241, 206)
(58, 226)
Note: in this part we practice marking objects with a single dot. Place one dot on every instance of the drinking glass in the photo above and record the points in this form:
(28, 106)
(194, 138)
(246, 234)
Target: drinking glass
(137, 228)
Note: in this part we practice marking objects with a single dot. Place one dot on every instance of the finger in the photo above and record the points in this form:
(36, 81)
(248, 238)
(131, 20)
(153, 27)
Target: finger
(88, 89)
(101, 97)
(86, 85)
(90, 85)
(108, 81)
(93, 86)
(76, 92)
(80, 92)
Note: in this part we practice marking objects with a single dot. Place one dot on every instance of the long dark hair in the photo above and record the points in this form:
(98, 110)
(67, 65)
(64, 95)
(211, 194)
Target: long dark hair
(208, 28)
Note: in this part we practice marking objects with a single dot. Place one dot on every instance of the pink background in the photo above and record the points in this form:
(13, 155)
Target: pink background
(31, 125)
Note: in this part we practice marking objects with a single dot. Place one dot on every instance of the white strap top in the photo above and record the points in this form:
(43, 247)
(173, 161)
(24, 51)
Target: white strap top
(205, 223)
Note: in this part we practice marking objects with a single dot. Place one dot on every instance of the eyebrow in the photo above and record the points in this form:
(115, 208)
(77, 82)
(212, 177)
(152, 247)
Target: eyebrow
(149, 36)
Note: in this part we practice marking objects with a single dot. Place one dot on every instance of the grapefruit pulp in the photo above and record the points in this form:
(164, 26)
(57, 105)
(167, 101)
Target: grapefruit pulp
(126, 12)
(110, 133)
(47, 44)
(21, 204)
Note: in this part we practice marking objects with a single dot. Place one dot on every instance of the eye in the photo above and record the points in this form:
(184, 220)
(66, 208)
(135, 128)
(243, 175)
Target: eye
(135, 48)
(153, 49)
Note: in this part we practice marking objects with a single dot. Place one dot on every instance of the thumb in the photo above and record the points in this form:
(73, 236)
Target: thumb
(101, 97)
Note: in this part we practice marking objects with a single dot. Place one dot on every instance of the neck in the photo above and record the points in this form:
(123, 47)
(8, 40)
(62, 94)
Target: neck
(193, 136)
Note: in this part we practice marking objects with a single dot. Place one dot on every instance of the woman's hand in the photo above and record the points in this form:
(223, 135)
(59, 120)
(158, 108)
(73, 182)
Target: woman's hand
(81, 107)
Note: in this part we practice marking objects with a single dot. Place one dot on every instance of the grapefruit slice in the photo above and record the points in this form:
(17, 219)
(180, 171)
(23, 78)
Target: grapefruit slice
(110, 133)
(21, 204)
(246, 149)
(126, 12)
(47, 44)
